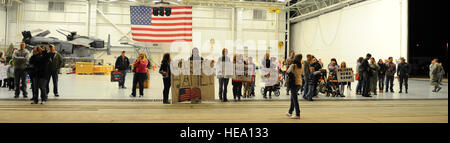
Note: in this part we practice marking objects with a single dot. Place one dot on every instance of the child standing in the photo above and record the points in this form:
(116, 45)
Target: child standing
(237, 85)
(249, 87)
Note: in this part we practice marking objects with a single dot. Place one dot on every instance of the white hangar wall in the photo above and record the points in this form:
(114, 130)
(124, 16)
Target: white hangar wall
(378, 27)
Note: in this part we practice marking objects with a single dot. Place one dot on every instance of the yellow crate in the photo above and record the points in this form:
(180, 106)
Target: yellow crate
(84, 68)
(103, 69)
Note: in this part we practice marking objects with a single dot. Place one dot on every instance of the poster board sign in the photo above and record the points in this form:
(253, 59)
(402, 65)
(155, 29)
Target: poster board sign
(3, 72)
(191, 87)
(345, 75)
(224, 69)
(242, 73)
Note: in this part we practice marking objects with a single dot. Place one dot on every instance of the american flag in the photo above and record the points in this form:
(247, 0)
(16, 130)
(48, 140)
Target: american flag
(148, 28)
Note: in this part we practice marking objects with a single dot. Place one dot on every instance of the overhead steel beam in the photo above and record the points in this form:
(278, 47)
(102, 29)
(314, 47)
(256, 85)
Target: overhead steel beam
(296, 4)
(324, 10)
(114, 25)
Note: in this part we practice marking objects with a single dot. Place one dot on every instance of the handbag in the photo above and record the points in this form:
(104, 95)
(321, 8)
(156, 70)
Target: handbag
(116, 76)
(357, 76)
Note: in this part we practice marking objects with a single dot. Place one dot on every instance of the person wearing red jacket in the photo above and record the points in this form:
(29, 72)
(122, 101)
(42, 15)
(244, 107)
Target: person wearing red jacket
(140, 74)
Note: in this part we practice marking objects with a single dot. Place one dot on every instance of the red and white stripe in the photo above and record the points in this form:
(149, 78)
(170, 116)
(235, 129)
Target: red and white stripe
(177, 26)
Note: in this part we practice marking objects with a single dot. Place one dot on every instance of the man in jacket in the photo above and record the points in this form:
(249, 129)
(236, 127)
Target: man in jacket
(390, 72)
(364, 70)
(306, 74)
(21, 61)
(55, 64)
(122, 65)
(403, 71)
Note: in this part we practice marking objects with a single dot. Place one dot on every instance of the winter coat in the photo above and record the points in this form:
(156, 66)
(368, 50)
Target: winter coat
(374, 70)
(40, 65)
(122, 63)
(403, 69)
(382, 71)
(390, 69)
(21, 59)
(435, 71)
(56, 62)
(141, 66)
(165, 67)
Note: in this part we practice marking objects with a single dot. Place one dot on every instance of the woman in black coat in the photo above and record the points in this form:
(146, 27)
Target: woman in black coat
(381, 75)
(40, 68)
(166, 73)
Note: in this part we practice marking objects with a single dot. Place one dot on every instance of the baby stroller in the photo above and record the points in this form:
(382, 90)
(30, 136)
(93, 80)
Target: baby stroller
(328, 86)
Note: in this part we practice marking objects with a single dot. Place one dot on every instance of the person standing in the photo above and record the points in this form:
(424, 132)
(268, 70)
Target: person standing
(165, 71)
(122, 65)
(343, 84)
(390, 72)
(381, 75)
(223, 79)
(237, 85)
(305, 75)
(295, 72)
(267, 64)
(333, 67)
(249, 86)
(32, 72)
(21, 61)
(195, 55)
(40, 68)
(55, 64)
(358, 74)
(317, 67)
(288, 62)
(365, 75)
(435, 70)
(374, 69)
(140, 75)
(403, 71)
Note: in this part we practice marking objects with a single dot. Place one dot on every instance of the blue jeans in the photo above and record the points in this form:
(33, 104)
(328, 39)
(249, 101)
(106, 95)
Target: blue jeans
(294, 100)
(305, 89)
(312, 90)
(381, 82)
(223, 85)
(122, 82)
(358, 86)
(389, 83)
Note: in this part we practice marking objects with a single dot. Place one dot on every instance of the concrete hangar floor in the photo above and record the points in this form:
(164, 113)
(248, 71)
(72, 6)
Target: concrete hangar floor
(92, 98)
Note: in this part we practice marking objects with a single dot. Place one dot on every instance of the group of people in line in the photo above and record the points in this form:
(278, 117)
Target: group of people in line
(249, 87)
(40, 66)
(300, 75)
